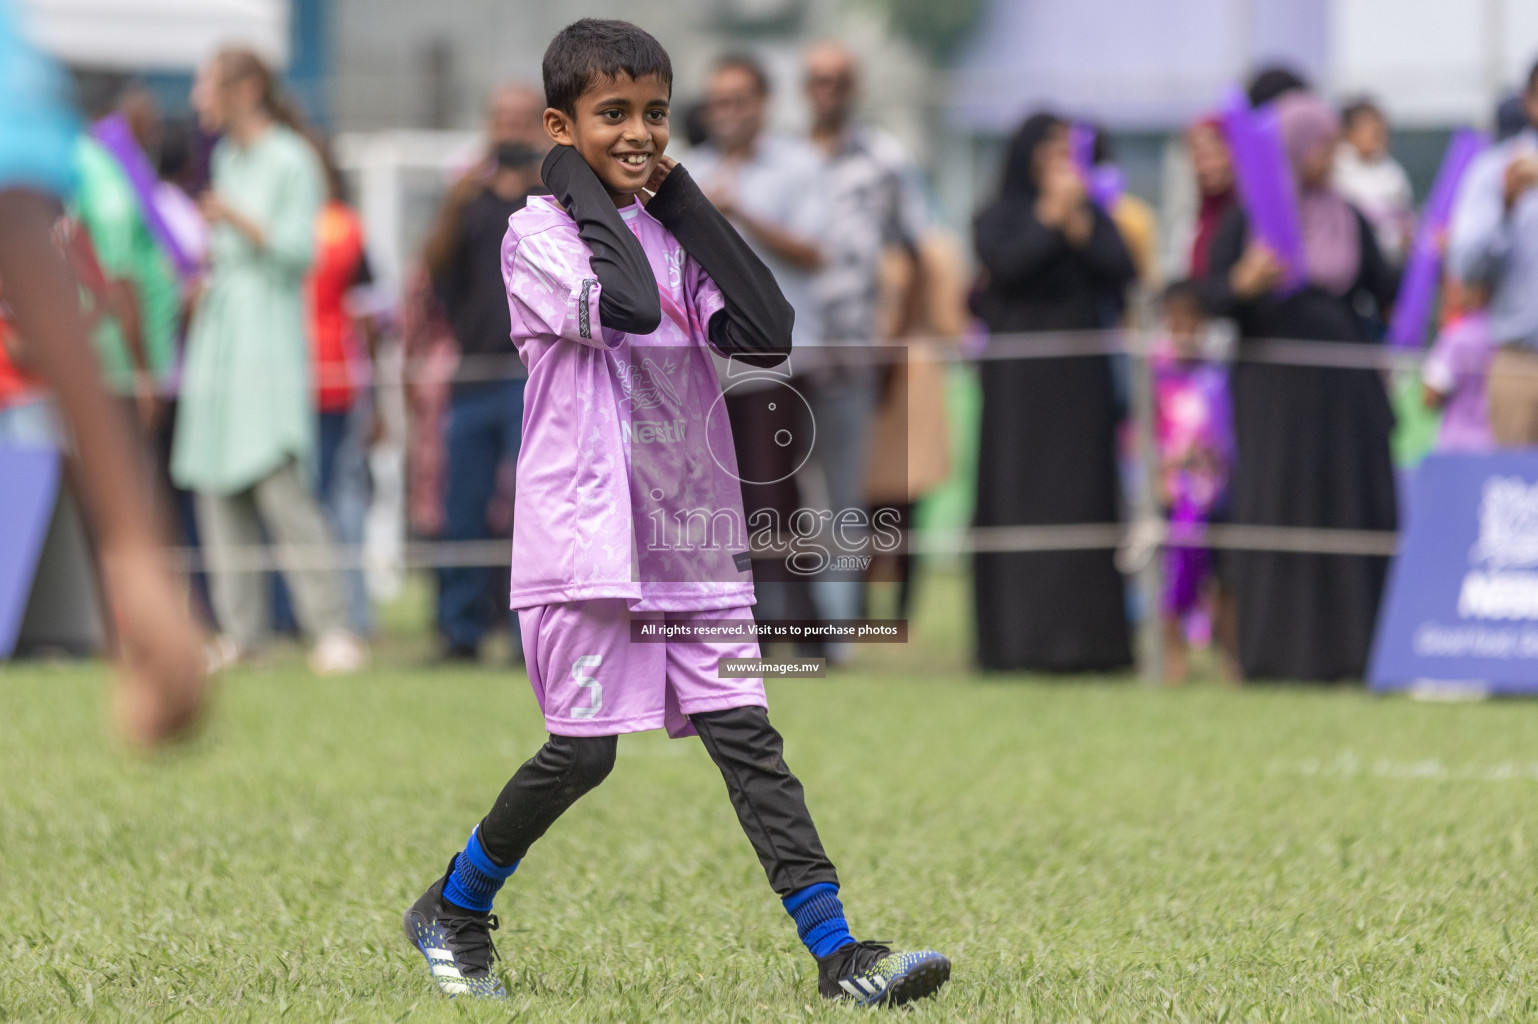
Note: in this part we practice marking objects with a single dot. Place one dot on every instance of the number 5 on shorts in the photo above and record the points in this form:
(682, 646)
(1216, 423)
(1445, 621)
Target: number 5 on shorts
(587, 682)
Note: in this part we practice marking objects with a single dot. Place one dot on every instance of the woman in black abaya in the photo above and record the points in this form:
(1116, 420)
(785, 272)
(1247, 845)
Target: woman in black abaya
(1053, 262)
(1313, 442)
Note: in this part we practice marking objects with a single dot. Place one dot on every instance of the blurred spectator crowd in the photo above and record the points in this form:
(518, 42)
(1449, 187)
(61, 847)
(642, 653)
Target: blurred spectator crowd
(227, 280)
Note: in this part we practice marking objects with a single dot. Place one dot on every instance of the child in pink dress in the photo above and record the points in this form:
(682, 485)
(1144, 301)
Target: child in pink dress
(1195, 440)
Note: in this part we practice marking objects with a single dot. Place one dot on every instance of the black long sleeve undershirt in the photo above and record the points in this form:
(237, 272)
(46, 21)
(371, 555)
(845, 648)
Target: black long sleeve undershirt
(628, 299)
(755, 325)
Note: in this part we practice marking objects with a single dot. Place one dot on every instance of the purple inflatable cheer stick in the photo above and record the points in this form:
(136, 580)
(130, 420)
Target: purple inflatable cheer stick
(1106, 184)
(1418, 289)
(1265, 183)
(117, 138)
(1103, 182)
(1081, 147)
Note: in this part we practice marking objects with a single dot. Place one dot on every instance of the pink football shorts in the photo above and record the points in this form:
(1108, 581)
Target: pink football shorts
(592, 680)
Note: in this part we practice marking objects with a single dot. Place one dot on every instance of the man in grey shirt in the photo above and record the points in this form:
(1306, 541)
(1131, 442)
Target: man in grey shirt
(1493, 242)
(764, 183)
(875, 196)
(875, 201)
(767, 186)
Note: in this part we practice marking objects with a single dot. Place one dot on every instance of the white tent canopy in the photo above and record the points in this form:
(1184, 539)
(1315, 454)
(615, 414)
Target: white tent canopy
(158, 35)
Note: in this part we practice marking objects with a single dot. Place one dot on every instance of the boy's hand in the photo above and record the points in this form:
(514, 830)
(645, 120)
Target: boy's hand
(665, 164)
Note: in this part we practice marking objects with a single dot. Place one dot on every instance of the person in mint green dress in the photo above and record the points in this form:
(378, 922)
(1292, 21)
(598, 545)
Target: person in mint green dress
(245, 431)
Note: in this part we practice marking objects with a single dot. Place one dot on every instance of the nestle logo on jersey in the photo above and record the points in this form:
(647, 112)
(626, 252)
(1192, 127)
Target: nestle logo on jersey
(654, 431)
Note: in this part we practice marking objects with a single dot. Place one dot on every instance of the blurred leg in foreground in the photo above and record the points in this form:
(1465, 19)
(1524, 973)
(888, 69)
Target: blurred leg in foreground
(161, 682)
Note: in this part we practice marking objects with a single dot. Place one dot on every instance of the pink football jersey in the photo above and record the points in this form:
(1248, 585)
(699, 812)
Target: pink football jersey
(627, 483)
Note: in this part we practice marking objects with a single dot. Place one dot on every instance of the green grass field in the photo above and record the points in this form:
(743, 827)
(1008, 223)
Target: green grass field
(1084, 851)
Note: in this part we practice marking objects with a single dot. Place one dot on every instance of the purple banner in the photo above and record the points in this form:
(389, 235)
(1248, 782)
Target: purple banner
(1422, 273)
(31, 478)
(115, 135)
(1461, 605)
(1266, 188)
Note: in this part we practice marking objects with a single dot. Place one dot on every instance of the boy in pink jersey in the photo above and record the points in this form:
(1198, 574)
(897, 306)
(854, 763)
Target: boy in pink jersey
(629, 509)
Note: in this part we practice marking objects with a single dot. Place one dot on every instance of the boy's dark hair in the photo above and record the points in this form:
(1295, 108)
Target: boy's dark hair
(1362, 106)
(594, 50)
(748, 63)
(1184, 290)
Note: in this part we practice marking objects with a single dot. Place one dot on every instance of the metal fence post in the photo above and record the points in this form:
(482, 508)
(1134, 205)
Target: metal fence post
(1147, 521)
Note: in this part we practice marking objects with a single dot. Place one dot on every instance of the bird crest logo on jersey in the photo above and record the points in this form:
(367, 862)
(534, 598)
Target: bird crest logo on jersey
(648, 385)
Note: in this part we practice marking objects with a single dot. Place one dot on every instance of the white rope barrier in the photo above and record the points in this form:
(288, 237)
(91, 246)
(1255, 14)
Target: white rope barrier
(1135, 541)
(487, 368)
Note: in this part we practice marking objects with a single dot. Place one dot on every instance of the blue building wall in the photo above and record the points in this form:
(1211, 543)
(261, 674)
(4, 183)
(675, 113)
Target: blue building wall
(310, 57)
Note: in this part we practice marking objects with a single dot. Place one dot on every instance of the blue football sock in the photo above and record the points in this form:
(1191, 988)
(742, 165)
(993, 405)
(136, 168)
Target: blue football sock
(476, 877)
(819, 918)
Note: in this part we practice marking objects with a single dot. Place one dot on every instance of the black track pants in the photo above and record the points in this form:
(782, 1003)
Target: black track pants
(540, 792)
(769, 800)
(750, 753)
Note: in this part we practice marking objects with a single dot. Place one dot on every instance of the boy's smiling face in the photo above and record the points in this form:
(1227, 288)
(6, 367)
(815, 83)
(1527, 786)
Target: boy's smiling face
(620, 128)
